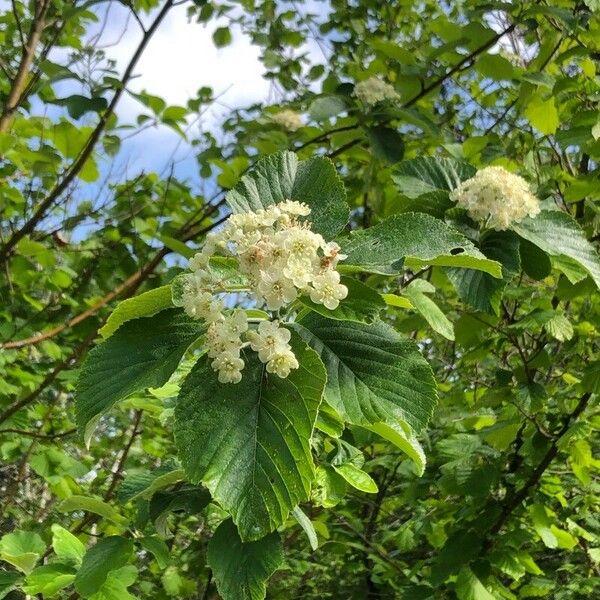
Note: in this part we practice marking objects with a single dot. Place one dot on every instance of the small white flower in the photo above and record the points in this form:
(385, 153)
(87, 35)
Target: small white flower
(497, 197)
(332, 254)
(229, 365)
(282, 363)
(276, 290)
(300, 271)
(269, 340)
(328, 290)
(372, 91)
(292, 207)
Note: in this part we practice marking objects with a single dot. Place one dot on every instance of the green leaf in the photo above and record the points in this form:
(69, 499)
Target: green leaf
(428, 174)
(177, 246)
(116, 584)
(402, 436)
(93, 505)
(480, 290)
(325, 107)
(542, 114)
(222, 37)
(22, 549)
(363, 304)
(386, 144)
(249, 443)
(78, 105)
(159, 549)
(281, 177)
(495, 67)
(307, 526)
(373, 374)
(142, 353)
(144, 305)
(418, 238)
(468, 586)
(356, 477)
(431, 312)
(559, 327)
(145, 485)
(242, 569)
(49, 579)
(66, 546)
(8, 582)
(535, 262)
(591, 378)
(557, 234)
(109, 554)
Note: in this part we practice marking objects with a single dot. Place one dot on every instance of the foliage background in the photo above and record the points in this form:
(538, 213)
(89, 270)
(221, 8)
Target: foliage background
(508, 504)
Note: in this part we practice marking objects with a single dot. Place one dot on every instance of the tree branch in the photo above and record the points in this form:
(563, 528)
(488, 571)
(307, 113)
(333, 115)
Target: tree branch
(84, 155)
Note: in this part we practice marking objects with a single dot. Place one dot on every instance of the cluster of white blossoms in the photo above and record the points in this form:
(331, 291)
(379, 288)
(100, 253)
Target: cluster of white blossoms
(289, 119)
(373, 90)
(282, 259)
(497, 197)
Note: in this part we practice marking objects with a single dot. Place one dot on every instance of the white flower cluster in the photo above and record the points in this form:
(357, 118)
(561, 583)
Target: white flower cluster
(289, 119)
(497, 197)
(282, 258)
(373, 90)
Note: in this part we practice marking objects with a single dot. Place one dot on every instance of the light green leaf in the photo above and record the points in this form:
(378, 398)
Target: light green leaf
(307, 526)
(326, 107)
(373, 374)
(559, 327)
(542, 114)
(424, 175)
(431, 312)
(142, 353)
(249, 443)
(242, 569)
(109, 554)
(177, 246)
(66, 546)
(402, 436)
(281, 177)
(22, 549)
(557, 234)
(418, 238)
(144, 305)
(356, 477)
(93, 505)
(116, 584)
(469, 587)
(363, 304)
(397, 301)
(49, 579)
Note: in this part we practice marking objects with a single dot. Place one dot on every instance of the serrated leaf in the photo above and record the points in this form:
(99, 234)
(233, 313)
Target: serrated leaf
(144, 305)
(242, 569)
(427, 174)
(151, 484)
(281, 177)
(559, 327)
(249, 443)
(542, 114)
(469, 587)
(142, 353)
(363, 304)
(373, 374)
(109, 554)
(158, 548)
(116, 584)
(557, 234)
(418, 238)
